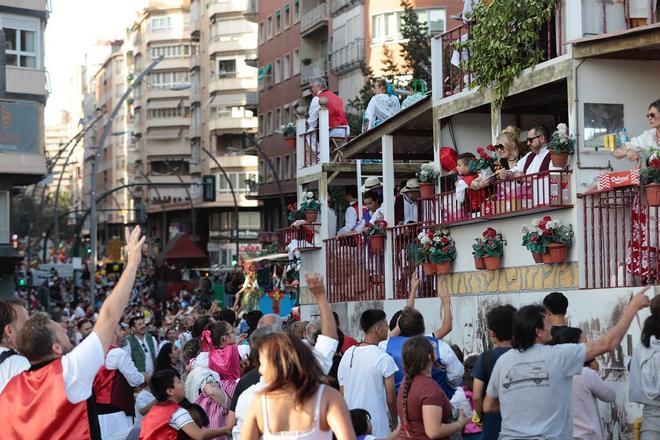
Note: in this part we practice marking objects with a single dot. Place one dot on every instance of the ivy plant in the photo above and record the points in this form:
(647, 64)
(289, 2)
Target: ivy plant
(503, 42)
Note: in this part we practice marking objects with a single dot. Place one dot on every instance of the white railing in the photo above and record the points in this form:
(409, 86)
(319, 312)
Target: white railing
(314, 17)
(315, 69)
(222, 6)
(338, 5)
(348, 56)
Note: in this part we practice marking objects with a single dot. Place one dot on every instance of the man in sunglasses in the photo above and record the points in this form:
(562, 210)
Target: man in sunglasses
(538, 158)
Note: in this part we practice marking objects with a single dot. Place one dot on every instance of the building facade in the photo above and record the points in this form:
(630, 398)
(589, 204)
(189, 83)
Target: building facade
(23, 94)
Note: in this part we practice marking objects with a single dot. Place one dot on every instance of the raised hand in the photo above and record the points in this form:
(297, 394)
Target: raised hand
(315, 284)
(134, 245)
(414, 284)
(640, 300)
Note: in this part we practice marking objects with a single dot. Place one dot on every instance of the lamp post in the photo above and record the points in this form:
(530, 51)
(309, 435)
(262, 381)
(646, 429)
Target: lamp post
(95, 167)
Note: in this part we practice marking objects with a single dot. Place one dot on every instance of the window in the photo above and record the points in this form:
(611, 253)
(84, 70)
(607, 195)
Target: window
(230, 111)
(296, 10)
(160, 23)
(269, 27)
(287, 15)
(286, 114)
(169, 79)
(278, 166)
(263, 172)
(278, 118)
(240, 183)
(296, 62)
(260, 125)
(386, 27)
(278, 71)
(4, 217)
(226, 68)
(179, 51)
(278, 22)
(249, 220)
(230, 29)
(21, 44)
(269, 123)
(287, 167)
(286, 67)
(261, 32)
(162, 113)
(437, 20)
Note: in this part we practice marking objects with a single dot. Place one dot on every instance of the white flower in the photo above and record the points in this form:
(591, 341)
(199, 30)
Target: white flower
(552, 224)
(420, 236)
(436, 239)
(536, 221)
(425, 240)
(310, 195)
(524, 229)
(562, 128)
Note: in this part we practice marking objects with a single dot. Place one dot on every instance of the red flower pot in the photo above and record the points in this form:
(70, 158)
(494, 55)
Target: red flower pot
(441, 268)
(560, 160)
(557, 253)
(538, 258)
(377, 242)
(492, 263)
(426, 190)
(310, 216)
(429, 268)
(290, 143)
(652, 192)
(479, 263)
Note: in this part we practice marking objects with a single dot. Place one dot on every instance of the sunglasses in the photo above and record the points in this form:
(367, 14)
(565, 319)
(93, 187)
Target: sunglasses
(650, 115)
(499, 147)
(532, 138)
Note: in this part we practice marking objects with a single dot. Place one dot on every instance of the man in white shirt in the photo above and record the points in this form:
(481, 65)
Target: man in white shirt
(352, 216)
(366, 375)
(531, 384)
(142, 347)
(13, 316)
(49, 400)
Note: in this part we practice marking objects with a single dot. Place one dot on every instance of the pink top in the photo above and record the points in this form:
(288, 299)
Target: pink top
(471, 427)
(225, 361)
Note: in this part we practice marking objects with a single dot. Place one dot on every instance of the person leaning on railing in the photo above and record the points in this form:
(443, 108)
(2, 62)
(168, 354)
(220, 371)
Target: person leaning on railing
(634, 149)
(508, 157)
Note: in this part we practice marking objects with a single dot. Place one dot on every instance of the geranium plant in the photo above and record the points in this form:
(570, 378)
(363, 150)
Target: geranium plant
(379, 227)
(486, 158)
(651, 174)
(490, 244)
(291, 208)
(545, 231)
(443, 247)
(311, 203)
(288, 130)
(561, 141)
(428, 173)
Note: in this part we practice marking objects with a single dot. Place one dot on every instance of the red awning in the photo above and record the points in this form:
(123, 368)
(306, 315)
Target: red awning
(182, 247)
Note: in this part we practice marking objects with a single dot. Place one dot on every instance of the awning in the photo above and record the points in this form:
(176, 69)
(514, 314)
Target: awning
(168, 103)
(181, 247)
(269, 257)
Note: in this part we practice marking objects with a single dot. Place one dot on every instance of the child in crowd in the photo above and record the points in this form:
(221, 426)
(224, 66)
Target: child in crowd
(473, 429)
(166, 418)
(470, 202)
(362, 425)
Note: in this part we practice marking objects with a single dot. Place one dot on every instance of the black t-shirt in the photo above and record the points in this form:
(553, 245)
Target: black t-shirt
(251, 378)
(555, 329)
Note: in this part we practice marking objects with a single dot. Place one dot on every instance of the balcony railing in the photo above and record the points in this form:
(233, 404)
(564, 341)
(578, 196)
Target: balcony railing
(316, 69)
(348, 56)
(528, 193)
(621, 237)
(339, 5)
(314, 17)
(304, 237)
(457, 77)
(355, 272)
(311, 147)
(404, 240)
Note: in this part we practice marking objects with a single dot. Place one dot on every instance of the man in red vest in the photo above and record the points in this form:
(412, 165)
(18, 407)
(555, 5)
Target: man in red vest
(49, 401)
(113, 388)
(336, 113)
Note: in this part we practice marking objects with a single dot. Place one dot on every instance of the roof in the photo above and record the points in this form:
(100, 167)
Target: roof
(642, 42)
(182, 247)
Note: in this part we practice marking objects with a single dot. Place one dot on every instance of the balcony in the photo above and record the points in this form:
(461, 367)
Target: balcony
(167, 34)
(229, 81)
(338, 6)
(620, 239)
(314, 20)
(195, 95)
(195, 18)
(195, 61)
(168, 122)
(237, 160)
(233, 42)
(302, 238)
(26, 81)
(311, 148)
(315, 69)
(217, 7)
(251, 13)
(348, 57)
(224, 121)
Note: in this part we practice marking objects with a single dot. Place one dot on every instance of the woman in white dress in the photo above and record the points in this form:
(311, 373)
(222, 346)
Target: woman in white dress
(382, 105)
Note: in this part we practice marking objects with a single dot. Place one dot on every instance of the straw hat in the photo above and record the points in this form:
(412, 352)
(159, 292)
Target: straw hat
(371, 183)
(411, 185)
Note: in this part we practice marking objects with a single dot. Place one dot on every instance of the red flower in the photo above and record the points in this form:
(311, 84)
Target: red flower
(490, 233)
(444, 240)
(480, 150)
(534, 238)
(484, 155)
(490, 147)
(655, 162)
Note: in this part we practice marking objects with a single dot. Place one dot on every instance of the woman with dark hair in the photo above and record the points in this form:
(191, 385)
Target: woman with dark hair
(296, 402)
(644, 374)
(169, 356)
(588, 389)
(423, 408)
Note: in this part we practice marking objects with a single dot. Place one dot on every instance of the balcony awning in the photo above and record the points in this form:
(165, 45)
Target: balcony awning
(167, 103)
(639, 43)
(181, 247)
(412, 129)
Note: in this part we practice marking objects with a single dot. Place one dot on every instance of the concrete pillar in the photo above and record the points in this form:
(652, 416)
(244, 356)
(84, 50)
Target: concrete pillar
(495, 122)
(388, 209)
(324, 131)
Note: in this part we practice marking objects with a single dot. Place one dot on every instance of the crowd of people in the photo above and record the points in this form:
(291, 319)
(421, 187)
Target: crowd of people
(137, 375)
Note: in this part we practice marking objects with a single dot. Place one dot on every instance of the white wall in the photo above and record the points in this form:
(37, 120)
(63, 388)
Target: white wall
(471, 130)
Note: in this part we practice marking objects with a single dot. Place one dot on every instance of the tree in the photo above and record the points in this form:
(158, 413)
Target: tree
(391, 70)
(416, 45)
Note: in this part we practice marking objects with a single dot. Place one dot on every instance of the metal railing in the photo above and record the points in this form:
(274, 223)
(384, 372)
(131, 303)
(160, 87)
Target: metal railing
(620, 236)
(311, 147)
(404, 242)
(304, 237)
(314, 17)
(315, 69)
(527, 193)
(355, 272)
(348, 56)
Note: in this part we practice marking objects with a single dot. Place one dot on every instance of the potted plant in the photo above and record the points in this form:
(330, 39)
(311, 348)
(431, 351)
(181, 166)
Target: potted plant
(534, 240)
(427, 176)
(486, 158)
(289, 133)
(560, 146)
(421, 251)
(443, 250)
(478, 252)
(560, 237)
(490, 247)
(291, 208)
(310, 206)
(649, 178)
(376, 235)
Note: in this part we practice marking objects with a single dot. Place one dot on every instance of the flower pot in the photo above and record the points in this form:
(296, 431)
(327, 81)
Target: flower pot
(310, 216)
(538, 258)
(652, 192)
(479, 263)
(377, 243)
(441, 268)
(557, 253)
(560, 160)
(426, 190)
(290, 142)
(429, 268)
(492, 263)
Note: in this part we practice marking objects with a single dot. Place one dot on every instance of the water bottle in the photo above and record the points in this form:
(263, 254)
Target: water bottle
(624, 136)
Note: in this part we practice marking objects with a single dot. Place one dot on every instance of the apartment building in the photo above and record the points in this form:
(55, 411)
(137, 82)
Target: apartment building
(223, 77)
(58, 135)
(361, 29)
(23, 94)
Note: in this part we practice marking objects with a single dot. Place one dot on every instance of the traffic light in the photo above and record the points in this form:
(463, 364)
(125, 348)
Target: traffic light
(14, 241)
(22, 282)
